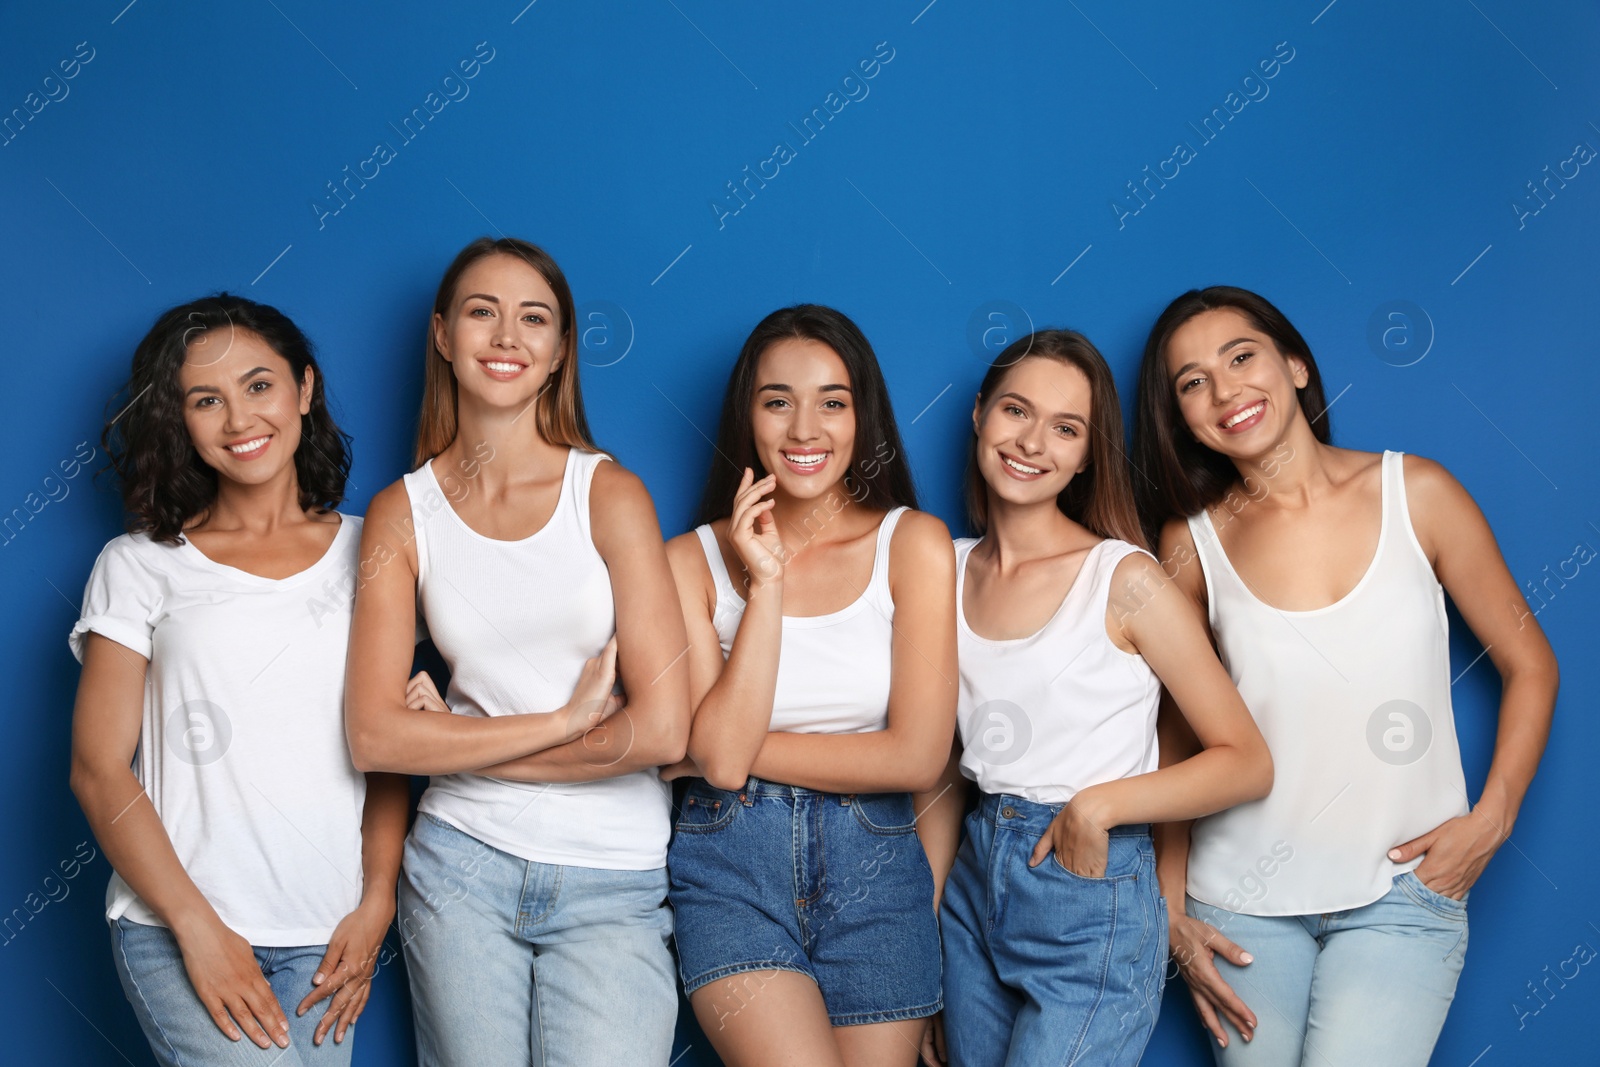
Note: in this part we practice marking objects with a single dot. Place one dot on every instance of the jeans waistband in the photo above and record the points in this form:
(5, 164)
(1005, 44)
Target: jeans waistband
(1016, 813)
(762, 787)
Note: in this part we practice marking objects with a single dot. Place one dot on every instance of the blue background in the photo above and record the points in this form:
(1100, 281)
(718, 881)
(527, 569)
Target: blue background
(976, 178)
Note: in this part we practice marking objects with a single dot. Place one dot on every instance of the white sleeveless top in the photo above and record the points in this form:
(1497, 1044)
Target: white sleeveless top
(833, 669)
(1354, 702)
(1046, 715)
(515, 621)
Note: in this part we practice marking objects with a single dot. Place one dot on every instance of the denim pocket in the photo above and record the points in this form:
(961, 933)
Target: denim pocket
(1418, 890)
(889, 814)
(706, 811)
(1124, 857)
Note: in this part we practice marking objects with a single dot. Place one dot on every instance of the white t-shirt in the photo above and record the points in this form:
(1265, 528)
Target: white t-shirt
(242, 749)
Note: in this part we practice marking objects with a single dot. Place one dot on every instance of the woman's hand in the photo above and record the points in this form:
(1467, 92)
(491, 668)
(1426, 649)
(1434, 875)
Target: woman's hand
(752, 532)
(1454, 853)
(421, 694)
(1194, 945)
(1078, 837)
(592, 701)
(223, 970)
(347, 969)
(934, 1053)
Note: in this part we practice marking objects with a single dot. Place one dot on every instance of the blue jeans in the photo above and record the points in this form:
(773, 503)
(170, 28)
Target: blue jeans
(1368, 986)
(833, 886)
(180, 1030)
(1043, 966)
(516, 963)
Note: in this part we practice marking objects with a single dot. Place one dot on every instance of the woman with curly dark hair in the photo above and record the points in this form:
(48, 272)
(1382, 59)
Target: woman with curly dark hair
(254, 865)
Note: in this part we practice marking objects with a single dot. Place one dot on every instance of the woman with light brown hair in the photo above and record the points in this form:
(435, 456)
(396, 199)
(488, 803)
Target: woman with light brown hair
(532, 896)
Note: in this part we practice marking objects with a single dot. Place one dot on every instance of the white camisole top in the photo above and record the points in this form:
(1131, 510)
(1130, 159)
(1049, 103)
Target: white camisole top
(1354, 702)
(833, 669)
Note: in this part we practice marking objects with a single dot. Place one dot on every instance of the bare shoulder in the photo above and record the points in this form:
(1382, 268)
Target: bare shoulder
(685, 553)
(621, 512)
(389, 509)
(387, 527)
(1179, 559)
(919, 536)
(1427, 479)
(615, 485)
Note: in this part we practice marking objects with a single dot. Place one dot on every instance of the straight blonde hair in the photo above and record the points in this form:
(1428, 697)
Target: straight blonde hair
(557, 410)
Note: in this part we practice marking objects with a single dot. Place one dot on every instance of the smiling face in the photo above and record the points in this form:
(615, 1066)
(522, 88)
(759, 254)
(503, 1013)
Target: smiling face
(502, 332)
(241, 405)
(1235, 389)
(803, 418)
(1033, 434)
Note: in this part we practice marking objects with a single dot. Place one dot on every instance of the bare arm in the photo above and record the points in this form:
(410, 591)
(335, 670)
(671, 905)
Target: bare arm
(939, 815)
(385, 734)
(105, 733)
(911, 752)
(653, 728)
(1194, 944)
(733, 705)
(1166, 628)
(1457, 539)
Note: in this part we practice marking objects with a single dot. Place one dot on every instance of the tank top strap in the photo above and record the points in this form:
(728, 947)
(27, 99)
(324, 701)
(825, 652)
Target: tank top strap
(1112, 552)
(575, 485)
(1083, 609)
(419, 483)
(1213, 564)
(878, 584)
(719, 567)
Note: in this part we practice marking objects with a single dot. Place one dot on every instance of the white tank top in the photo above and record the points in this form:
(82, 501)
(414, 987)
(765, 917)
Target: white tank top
(833, 669)
(515, 621)
(1354, 702)
(1046, 715)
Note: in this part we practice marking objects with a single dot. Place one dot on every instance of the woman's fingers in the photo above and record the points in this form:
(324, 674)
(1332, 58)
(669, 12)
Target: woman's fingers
(348, 1017)
(219, 1015)
(327, 969)
(1208, 1017)
(1227, 949)
(1202, 974)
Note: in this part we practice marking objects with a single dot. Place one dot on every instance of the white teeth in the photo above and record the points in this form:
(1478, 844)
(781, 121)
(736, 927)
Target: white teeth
(1247, 413)
(1014, 465)
(806, 460)
(502, 368)
(248, 446)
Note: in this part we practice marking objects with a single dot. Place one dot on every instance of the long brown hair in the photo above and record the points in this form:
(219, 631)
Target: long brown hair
(1180, 475)
(880, 478)
(1100, 497)
(557, 410)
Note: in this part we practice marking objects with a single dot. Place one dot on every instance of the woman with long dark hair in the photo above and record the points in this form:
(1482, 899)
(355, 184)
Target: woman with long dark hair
(1054, 931)
(254, 865)
(533, 897)
(822, 666)
(1328, 922)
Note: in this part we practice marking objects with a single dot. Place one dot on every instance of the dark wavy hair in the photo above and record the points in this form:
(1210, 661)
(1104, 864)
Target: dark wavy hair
(1179, 475)
(1100, 497)
(877, 480)
(164, 482)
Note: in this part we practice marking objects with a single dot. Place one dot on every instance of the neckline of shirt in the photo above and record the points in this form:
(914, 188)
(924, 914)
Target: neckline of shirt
(1366, 575)
(961, 599)
(880, 551)
(561, 499)
(241, 574)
